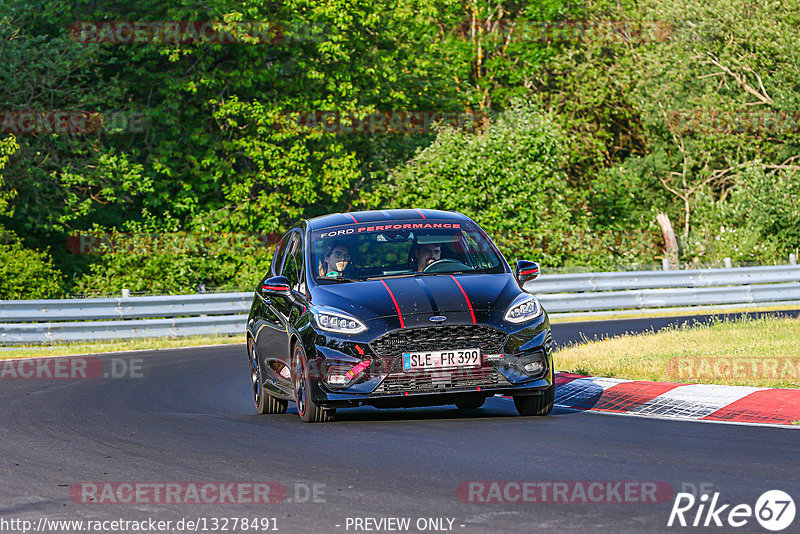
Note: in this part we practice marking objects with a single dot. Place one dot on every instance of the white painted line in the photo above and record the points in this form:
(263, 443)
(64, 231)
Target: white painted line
(694, 401)
(583, 388)
(676, 418)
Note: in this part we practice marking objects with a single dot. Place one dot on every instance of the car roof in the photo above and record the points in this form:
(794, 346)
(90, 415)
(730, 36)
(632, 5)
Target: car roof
(354, 217)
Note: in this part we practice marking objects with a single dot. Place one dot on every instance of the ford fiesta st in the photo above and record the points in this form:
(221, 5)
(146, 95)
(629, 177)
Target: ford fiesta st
(396, 308)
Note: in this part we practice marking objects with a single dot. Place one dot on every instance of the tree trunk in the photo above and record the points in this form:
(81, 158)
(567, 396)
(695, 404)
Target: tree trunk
(670, 242)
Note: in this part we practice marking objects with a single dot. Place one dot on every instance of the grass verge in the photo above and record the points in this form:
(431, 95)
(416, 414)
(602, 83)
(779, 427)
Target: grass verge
(743, 352)
(66, 349)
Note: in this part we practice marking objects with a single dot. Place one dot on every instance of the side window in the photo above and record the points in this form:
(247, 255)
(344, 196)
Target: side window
(479, 255)
(275, 268)
(293, 266)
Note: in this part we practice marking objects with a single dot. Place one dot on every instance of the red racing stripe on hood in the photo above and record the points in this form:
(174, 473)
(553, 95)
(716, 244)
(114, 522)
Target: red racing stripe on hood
(396, 306)
(469, 304)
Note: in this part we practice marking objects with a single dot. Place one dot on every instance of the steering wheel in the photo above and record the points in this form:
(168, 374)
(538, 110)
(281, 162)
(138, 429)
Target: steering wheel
(436, 266)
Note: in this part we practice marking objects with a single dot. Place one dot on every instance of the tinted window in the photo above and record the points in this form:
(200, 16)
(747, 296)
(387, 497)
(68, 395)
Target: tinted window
(402, 248)
(275, 268)
(293, 265)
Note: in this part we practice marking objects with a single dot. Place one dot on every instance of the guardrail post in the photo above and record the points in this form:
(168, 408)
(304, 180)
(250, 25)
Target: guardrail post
(665, 264)
(728, 263)
(792, 259)
(126, 293)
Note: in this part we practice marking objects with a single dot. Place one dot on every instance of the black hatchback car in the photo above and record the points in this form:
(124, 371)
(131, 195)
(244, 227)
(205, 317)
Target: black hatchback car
(396, 308)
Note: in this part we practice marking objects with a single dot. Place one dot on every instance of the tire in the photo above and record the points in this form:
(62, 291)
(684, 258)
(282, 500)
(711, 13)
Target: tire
(471, 403)
(265, 403)
(536, 404)
(306, 409)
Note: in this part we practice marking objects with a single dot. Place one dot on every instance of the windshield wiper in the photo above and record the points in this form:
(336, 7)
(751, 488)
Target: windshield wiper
(338, 279)
(409, 275)
(404, 275)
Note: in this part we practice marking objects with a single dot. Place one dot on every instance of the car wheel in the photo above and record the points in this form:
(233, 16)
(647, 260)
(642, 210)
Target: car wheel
(536, 404)
(471, 403)
(265, 403)
(306, 409)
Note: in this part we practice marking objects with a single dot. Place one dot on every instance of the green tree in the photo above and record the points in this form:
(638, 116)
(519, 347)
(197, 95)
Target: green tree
(8, 146)
(24, 273)
(508, 178)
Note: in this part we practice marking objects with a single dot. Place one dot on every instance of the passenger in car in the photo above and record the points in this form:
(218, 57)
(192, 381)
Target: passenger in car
(335, 260)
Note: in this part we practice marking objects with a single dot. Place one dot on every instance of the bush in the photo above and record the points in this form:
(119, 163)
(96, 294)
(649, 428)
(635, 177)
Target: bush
(758, 222)
(156, 255)
(26, 273)
(179, 272)
(508, 178)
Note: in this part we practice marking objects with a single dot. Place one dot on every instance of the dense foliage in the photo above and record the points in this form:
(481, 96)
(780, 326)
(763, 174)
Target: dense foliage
(589, 129)
(24, 273)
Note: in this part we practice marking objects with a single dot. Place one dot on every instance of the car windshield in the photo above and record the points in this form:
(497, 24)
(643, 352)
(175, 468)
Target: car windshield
(401, 248)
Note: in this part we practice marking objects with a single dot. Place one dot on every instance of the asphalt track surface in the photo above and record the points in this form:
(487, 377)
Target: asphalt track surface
(189, 417)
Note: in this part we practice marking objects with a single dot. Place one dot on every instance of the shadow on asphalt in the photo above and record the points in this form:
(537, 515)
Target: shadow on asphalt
(493, 409)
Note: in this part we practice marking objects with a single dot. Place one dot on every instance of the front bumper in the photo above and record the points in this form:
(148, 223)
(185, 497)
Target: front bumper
(384, 383)
(428, 398)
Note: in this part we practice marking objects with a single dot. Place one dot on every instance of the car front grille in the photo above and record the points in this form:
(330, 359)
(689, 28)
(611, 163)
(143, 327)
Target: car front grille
(393, 344)
(436, 381)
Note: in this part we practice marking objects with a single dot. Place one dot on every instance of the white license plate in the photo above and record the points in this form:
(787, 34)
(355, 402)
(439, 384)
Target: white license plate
(441, 359)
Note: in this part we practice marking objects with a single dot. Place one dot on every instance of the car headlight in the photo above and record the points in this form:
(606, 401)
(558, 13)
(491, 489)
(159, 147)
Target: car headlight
(524, 308)
(337, 321)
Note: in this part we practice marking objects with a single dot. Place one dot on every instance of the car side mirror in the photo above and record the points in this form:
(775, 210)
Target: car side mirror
(525, 271)
(277, 286)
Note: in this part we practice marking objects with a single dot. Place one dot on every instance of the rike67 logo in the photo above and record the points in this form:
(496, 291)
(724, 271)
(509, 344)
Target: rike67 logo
(774, 510)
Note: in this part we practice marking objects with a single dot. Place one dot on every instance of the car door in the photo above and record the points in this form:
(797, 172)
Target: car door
(293, 269)
(272, 328)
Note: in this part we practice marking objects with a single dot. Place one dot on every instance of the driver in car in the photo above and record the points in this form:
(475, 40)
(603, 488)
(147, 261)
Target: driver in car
(424, 255)
(335, 261)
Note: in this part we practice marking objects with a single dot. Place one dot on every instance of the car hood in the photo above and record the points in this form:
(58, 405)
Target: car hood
(456, 297)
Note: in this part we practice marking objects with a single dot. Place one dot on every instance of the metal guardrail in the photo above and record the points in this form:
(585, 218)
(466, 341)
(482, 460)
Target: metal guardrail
(124, 308)
(648, 290)
(661, 298)
(33, 333)
(571, 283)
(43, 321)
